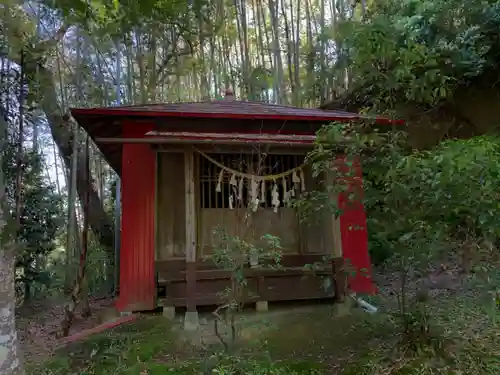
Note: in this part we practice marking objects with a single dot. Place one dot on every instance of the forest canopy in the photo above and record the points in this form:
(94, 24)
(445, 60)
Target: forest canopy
(420, 52)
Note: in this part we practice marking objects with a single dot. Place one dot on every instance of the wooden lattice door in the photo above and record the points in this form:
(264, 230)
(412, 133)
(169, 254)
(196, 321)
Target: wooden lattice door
(219, 205)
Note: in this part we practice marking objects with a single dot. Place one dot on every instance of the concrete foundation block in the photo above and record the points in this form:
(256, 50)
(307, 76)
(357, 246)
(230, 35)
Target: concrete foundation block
(169, 312)
(343, 308)
(261, 306)
(191, 321)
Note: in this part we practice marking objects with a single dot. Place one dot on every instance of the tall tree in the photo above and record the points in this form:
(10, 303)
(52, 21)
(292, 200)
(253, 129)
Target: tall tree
(10, 360)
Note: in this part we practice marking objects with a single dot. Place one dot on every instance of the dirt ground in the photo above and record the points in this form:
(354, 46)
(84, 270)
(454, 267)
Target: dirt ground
(39, 326)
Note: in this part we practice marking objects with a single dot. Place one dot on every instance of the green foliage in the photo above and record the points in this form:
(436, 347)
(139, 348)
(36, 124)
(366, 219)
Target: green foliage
(421, 51)
(126, 349)
(41, 218)
(421, 205)
(299, 342)
(118, 17)
(148, 346)
(236, 255)
(429, 199)
(447, 195)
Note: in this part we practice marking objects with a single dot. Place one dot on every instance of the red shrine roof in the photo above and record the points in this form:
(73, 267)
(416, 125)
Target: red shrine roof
(106, 122)
(227, 109)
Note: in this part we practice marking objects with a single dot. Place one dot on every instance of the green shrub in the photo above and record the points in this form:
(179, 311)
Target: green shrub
(449, 195)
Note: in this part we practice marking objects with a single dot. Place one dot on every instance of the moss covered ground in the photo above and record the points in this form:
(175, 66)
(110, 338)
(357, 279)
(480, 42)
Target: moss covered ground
(298, 341)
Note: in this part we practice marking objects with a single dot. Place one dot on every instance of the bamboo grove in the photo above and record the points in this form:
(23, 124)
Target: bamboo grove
(59, 54)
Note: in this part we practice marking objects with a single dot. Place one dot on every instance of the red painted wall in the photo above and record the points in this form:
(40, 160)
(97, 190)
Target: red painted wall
(354, 232)
(137, 254)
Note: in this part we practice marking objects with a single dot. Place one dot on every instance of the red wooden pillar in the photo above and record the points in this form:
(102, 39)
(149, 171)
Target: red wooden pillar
(137, 255)
(354, 231)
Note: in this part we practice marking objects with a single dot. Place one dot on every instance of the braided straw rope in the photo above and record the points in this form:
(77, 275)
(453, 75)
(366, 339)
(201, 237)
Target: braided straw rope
(270, 177)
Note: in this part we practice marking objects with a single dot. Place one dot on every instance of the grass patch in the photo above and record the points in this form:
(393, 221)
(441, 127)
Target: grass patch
(115, 351)
(311, 342)
(325, 339)
(149, 346)
(469, 338)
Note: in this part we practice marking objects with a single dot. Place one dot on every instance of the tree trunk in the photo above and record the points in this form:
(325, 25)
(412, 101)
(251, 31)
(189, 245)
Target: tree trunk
(80, 286)
(71, 230)
(10, 362)
(278, 64)
(99, 221)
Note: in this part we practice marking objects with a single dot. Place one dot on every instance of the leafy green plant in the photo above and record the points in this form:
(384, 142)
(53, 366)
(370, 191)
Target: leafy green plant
(420, 51)
(421, 205)
(41, 220)
(235, 254)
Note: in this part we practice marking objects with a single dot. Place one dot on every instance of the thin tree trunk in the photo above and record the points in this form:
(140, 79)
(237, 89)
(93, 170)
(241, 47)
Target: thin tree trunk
(204, 87)
(130, 73)
(19, 169)
(266, 33)
(289, 47)
(80, 282)
(152, 84)
(71, 234)
(56, 168)
(323, 73)
(140, 64)
(245, 53)
(311, 75)
(20, 141)
(257, 20)
(273, 10)
(100, 221)
(86, 311)
(297, 56)
(213, 65)
(10, 361)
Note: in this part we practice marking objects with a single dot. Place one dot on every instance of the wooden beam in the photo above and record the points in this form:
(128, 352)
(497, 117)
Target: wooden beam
(338, 264)
(98, 329)
(156, 208)
(309, 138)
(189, 177)
(215, 138)
(337, 235)
(130, 140)
(239, 149)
